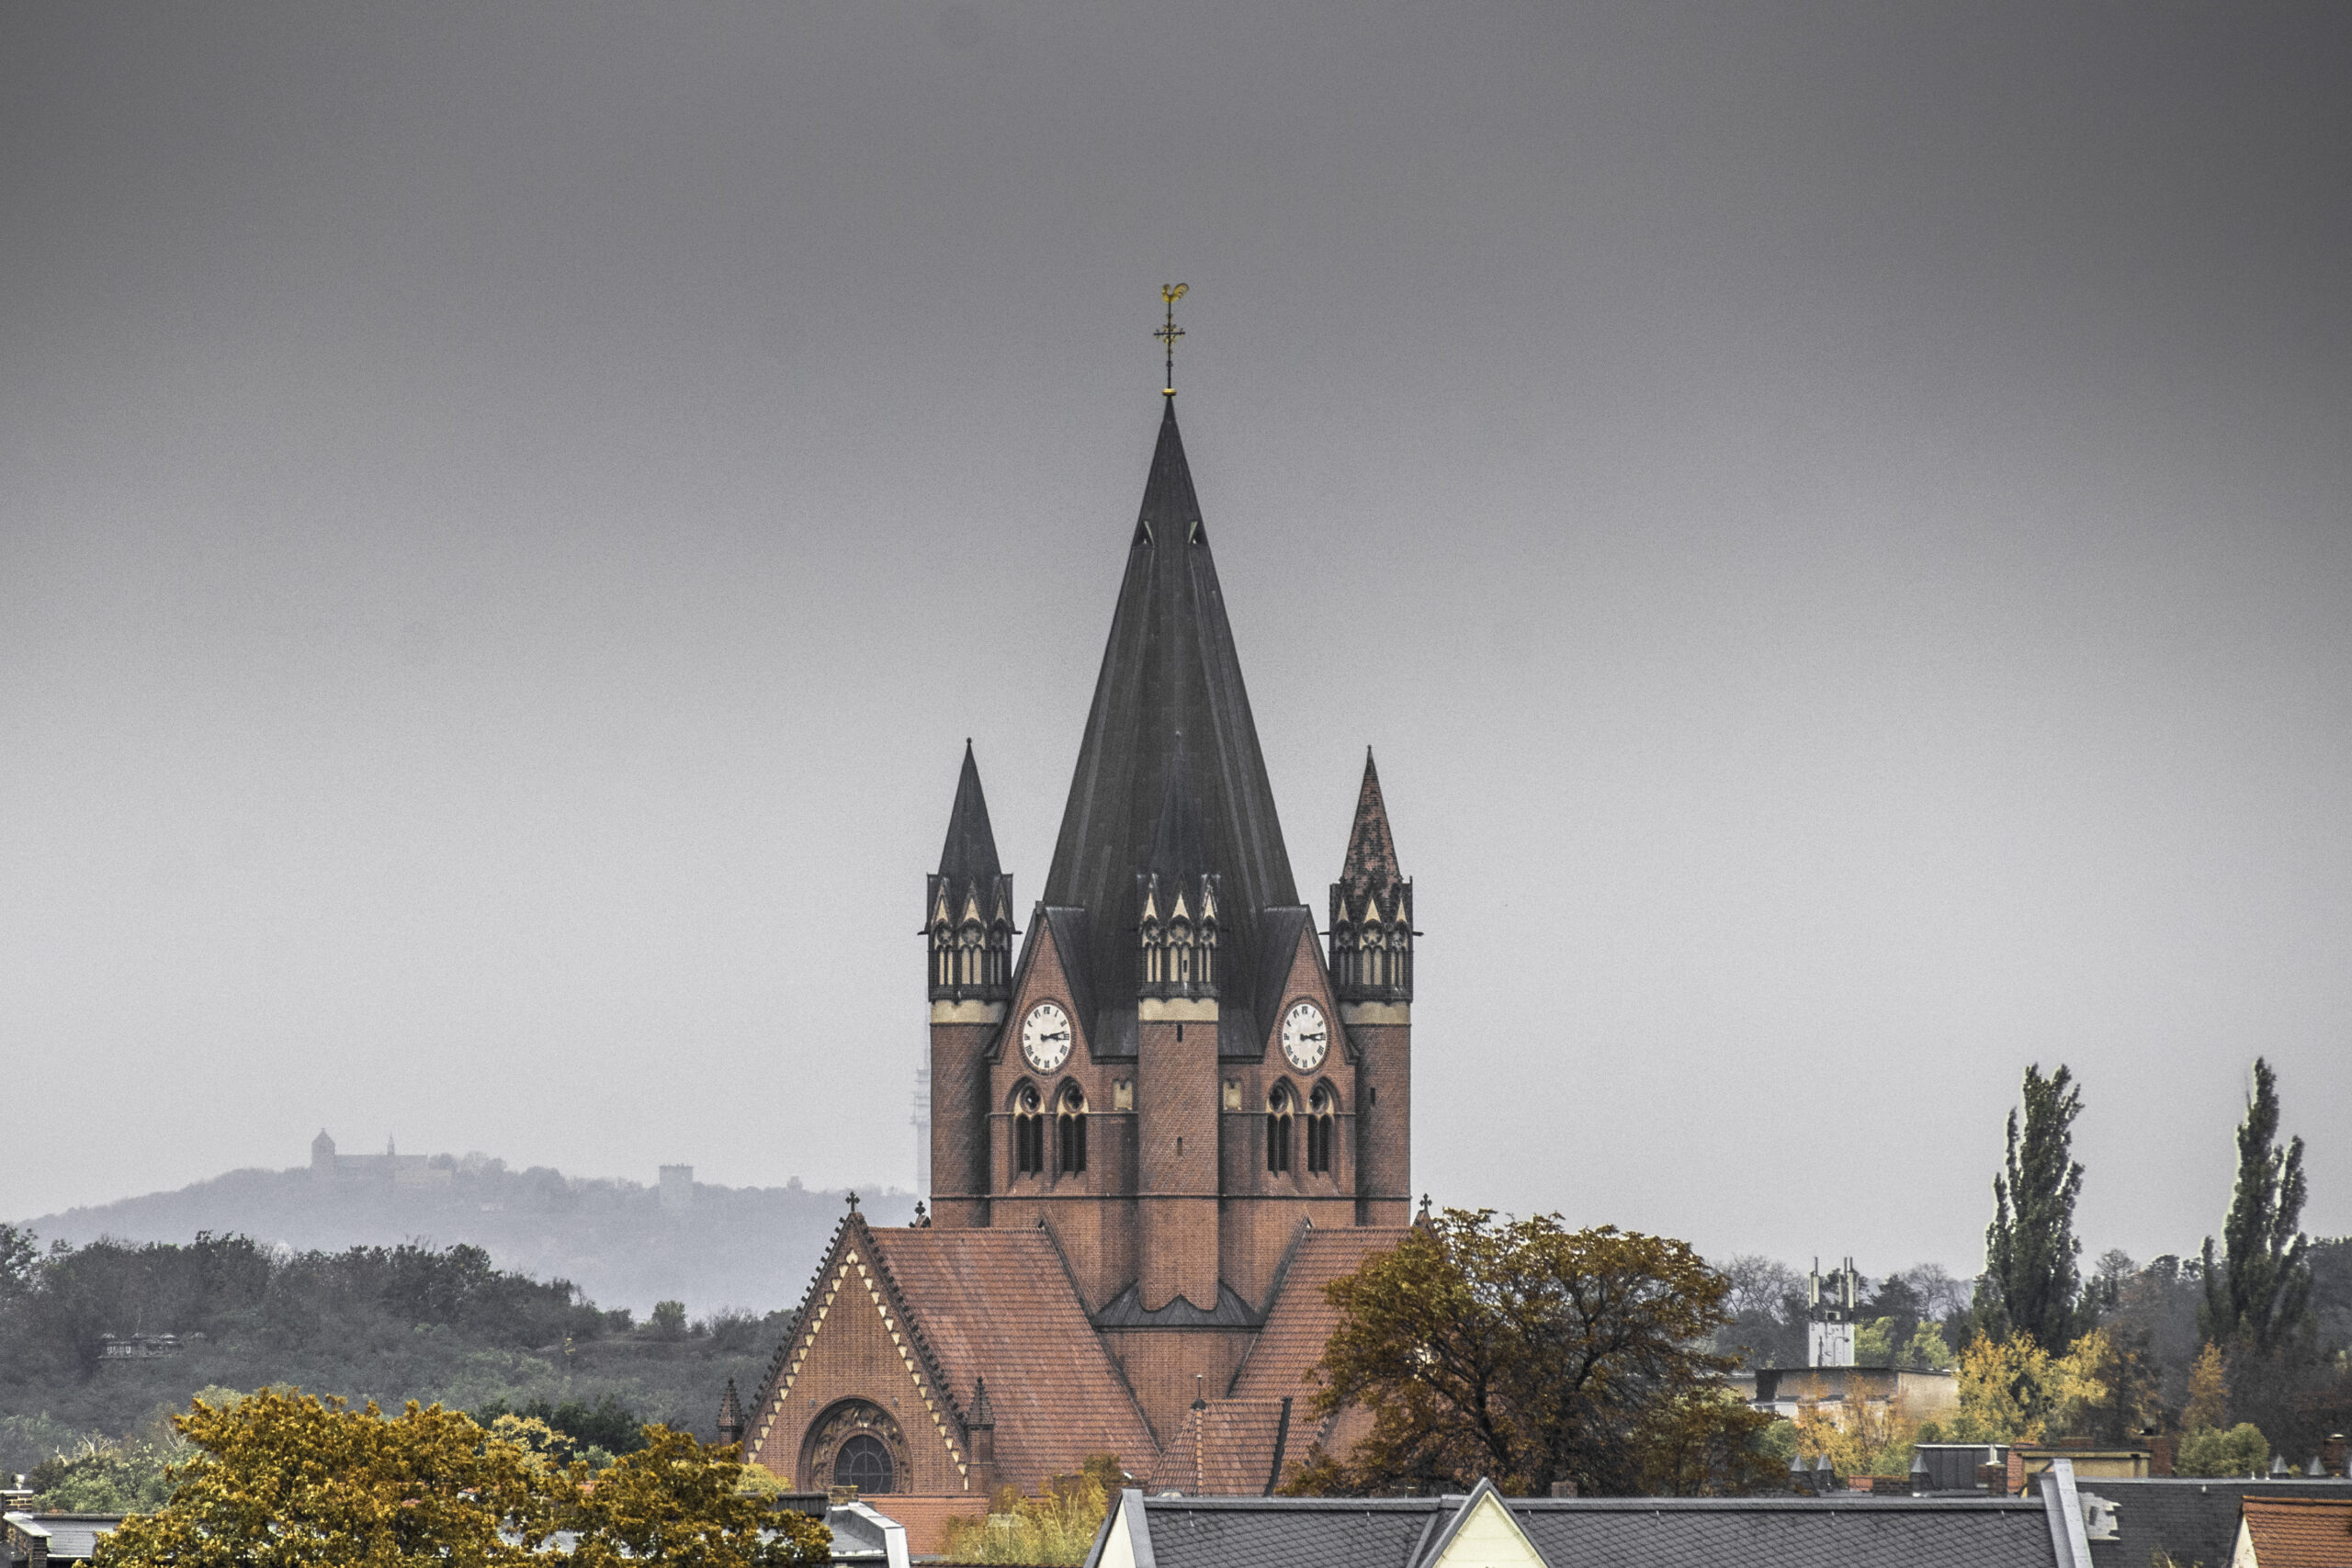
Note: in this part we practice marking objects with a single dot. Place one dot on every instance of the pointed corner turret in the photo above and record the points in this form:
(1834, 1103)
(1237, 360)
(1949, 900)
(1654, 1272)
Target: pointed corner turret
(970, 851)
(730, 1415)
(1177, 896)
(983, 1413)
(968, 903)
(980, 1437)
(1372, 906)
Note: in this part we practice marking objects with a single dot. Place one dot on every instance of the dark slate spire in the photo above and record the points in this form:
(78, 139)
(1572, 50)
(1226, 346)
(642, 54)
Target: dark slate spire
(1167, 668)
(968, 910)
(1372, 908)
(970, 853)
(1179, 918)
(1372, 851)
(1171, 512)
(1180, 838)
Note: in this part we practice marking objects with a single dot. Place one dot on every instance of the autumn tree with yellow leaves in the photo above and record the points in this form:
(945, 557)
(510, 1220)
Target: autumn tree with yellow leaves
(284, 1479)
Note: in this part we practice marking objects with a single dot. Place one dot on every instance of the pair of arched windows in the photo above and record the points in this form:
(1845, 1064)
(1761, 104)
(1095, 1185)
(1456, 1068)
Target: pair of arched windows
(1069, 1132)
(1320, 1118)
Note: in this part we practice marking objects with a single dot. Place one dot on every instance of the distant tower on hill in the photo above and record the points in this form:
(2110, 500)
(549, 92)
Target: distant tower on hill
(1830, 1316)
(322, 1157)
(677, 1188)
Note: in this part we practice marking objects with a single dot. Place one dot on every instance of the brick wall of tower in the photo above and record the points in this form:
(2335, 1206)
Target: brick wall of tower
(1168, 1368)
(1177, 1160)
(1383, 1033)
(1093, 1214)
(1263, 1209)
(959, 1110)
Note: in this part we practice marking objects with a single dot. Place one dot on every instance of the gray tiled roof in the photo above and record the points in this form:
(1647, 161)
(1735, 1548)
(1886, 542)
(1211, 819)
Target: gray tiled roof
(1645, 1532)
(2194, 1520)
(1788, 1532)
(72, 1537)
(1285, 1533)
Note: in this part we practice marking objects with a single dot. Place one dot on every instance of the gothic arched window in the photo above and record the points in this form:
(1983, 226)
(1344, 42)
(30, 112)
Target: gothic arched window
(864, 1463)
(1070, 1140)
(1278, 1119)
(1320, 1120)
(1028, 1132)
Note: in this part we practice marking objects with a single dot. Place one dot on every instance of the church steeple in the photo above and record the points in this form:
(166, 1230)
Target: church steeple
(1169, 668)
(1372, 908)
(1177, 914)
(969, 902)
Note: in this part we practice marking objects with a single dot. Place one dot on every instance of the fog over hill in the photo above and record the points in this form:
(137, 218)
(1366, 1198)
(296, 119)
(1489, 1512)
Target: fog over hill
(748, 1248)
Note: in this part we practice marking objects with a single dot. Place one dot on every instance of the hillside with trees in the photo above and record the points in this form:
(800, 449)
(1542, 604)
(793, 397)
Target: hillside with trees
(723, 1247)
(386, 1324)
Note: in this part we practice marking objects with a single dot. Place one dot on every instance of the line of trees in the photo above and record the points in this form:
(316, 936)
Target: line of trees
(2228, 1349)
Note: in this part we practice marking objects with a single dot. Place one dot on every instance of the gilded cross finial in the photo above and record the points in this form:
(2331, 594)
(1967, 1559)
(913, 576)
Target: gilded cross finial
(1171, 331)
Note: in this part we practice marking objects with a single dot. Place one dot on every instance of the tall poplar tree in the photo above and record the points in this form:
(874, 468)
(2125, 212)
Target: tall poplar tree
(2030, 1285)
(2260, 1289)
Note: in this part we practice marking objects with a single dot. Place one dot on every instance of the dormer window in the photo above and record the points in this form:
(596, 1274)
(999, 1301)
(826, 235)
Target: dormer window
(1029, 1131)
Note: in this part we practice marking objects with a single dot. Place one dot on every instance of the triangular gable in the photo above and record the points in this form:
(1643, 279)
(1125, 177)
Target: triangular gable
(1057, 940)
(852, 1279)
(1481, 1534)
(1291, 961)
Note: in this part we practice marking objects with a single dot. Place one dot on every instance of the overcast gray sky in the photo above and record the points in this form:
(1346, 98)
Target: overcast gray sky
(1834, 517)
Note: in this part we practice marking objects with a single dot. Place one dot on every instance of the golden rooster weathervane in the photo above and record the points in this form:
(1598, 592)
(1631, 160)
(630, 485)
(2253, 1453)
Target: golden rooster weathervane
(1168, 334)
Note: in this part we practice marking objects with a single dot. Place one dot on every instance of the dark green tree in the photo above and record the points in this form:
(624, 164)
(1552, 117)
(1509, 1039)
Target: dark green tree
(2031, 1283)
(1533, 1354)
(2260, 1289)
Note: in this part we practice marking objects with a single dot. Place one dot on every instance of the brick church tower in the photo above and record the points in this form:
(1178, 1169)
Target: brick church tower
(1156, 1131)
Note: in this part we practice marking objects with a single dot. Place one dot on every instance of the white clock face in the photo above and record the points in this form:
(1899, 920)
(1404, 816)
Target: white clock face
(1305, 1037)
(1046, 1037)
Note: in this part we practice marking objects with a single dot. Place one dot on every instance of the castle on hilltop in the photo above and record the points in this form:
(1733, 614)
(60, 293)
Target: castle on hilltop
(391, 1166)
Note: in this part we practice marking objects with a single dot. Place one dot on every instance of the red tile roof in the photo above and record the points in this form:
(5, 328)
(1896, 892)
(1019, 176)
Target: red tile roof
(1226, 1449)
(999, 1305)
(1302, 1321)
(2300, 1532)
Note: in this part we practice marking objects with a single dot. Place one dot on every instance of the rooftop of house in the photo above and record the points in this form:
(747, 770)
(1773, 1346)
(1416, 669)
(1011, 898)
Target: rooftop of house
(2307, 1531)
(1624, 1532)
(2190, 1519)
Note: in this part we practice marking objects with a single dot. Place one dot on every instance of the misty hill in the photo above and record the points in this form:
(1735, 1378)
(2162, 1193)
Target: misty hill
(750, 1249)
